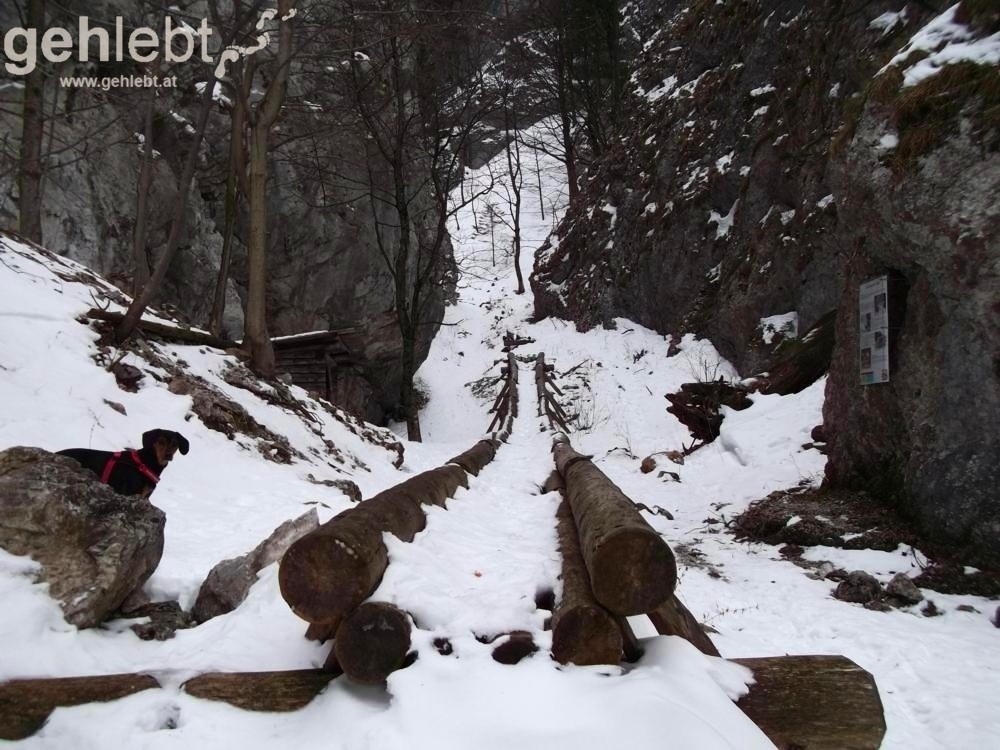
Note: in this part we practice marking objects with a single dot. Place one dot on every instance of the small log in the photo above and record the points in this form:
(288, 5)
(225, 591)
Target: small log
(814, 702)
(673, 618)
(25, 705)
(517, 646)
(583, 632)
(632, 570)
(373, 642)
(261, 691)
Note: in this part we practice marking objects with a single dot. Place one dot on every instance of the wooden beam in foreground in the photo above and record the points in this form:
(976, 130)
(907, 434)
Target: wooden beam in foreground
(814, 703)
(25, 705)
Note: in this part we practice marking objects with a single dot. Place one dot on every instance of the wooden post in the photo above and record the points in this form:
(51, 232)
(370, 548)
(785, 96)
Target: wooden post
(583, 632)
(673, 618)
(632, 570)
(373, 642)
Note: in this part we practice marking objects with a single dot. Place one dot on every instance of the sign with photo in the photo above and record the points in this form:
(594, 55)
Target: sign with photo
(874, 331)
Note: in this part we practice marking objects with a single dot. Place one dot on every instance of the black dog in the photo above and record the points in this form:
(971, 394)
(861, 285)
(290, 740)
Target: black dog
(133, 472)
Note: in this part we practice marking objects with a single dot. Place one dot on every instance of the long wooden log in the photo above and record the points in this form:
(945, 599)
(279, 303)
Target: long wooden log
(26, 704)
(373, 642)
(164, 331)
(673, 618)
(583, 632)
(632, 570)
(327, 573)
(814, 702)
(476, 458)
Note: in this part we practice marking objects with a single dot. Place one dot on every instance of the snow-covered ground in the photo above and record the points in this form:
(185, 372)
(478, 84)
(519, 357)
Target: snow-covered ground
(476, 568)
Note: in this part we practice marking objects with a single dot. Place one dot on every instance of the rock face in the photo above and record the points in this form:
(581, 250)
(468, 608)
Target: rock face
(96, 547)
(772, 163)
(229, 582)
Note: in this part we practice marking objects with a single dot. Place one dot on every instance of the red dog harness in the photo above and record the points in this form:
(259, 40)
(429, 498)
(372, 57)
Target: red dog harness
(143, 469)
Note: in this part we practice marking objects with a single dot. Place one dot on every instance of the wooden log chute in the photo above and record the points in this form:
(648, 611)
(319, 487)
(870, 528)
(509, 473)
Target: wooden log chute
(632, 569)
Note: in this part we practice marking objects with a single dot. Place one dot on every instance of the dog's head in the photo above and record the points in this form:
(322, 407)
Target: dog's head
(164, 443)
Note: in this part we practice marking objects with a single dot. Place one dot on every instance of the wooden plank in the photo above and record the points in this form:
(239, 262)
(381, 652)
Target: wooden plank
(814, 703)
(261, 691)
(25, 705)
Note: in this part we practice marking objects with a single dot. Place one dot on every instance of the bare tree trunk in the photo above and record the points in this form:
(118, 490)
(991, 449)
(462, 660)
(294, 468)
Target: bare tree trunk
(32, 130)
(514, 171)
(152, 288)
(538, 177)
(409, 391)
(256, 341)
(234, 172)
(140, 272)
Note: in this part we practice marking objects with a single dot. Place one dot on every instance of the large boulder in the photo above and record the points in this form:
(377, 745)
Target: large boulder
(96, 547)
(229, 582)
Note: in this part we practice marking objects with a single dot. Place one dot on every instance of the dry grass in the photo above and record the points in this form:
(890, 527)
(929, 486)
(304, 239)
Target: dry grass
(927, 114)
(983, 15)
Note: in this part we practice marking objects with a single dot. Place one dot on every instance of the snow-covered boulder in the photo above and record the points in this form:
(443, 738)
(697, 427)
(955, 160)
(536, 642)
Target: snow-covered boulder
(96, 547)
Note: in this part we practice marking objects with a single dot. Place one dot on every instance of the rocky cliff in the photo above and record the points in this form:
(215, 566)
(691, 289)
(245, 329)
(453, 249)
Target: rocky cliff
(778, 154)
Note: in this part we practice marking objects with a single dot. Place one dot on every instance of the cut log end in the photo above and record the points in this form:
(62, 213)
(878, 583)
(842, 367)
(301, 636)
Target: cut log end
(322, 578)
(632, 571)
(373, 642)
(586, 636)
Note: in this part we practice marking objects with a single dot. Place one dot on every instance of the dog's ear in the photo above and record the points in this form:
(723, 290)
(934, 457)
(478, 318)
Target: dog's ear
(149, 438)
(182, 443)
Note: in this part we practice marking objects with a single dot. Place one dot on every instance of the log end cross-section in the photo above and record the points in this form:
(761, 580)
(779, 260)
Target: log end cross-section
(373, 642)
(328, 572)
